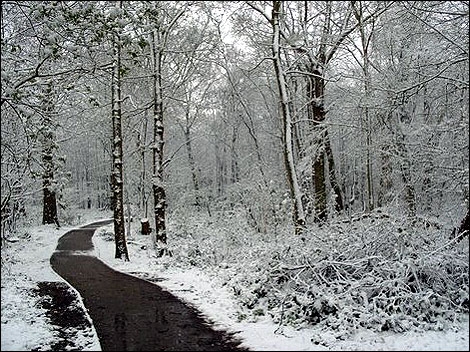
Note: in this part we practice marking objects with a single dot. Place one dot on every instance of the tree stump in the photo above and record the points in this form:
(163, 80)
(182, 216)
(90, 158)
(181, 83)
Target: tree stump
(145, 226)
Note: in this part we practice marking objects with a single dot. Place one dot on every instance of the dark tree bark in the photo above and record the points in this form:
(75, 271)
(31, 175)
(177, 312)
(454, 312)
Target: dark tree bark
(117, 179)
(159, 194)
(339, 204)
(464, 228)
(49, 213)
(145, 226)
(317, 115)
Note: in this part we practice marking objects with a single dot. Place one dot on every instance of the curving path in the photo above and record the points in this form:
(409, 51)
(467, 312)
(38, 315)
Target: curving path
(130, 314)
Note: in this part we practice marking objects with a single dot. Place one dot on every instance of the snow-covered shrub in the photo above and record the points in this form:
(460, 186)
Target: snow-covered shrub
(376, 271)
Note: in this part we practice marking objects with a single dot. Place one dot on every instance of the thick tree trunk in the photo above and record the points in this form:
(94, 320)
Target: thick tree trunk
(317, 115)
(49, 214)
(298, 211)
(159, 194)
(117, 183)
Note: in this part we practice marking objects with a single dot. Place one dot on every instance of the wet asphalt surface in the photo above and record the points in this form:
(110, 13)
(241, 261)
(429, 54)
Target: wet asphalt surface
(128, 313)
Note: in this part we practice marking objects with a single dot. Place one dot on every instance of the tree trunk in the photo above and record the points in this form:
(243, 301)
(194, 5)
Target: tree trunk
(192, 163)
(219, 167)
(317, 114)
(159, 194)
(49, 214)
(464, 228)
(385, 183)
(145, 226)
(339, 203)
(118, 185)
(298, 211)
(405, 165)
(316, 100)
(365, 40)
(235, 177)
(142, 142)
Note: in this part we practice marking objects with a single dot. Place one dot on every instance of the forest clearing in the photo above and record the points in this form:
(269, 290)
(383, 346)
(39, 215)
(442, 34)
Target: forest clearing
(293, 173)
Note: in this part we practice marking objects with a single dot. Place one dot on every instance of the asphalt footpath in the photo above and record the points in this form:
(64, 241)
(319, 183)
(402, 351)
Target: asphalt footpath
(128, 313)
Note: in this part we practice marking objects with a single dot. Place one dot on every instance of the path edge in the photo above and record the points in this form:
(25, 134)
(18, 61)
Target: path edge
(96, 340)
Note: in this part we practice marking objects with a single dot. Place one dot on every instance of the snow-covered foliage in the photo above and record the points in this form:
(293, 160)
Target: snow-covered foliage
(376, 271)
(210, 269)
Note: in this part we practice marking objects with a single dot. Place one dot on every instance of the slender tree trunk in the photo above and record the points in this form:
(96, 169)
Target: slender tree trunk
(298, 211)
(385, 183)
(405, 161)
(118, 184)
(159, 194)
(370, 185)
(358, 11)
(339, 203)
(235, 177)
(429, 162)
(410, 195)
(219, 166)
(142, 141)
(192, 162)
(49, 214)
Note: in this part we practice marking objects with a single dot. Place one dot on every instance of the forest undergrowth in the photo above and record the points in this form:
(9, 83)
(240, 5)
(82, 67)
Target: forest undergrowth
(377, 271)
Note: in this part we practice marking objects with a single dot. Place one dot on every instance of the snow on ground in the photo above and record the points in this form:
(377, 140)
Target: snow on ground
(25, 262)
(211, 297)
(24, 325)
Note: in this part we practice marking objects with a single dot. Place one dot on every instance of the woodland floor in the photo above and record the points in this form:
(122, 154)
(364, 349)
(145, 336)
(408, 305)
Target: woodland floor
(128, 313)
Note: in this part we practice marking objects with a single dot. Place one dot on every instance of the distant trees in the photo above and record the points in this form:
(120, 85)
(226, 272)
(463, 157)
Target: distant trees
(311, 109)
(376, 157)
